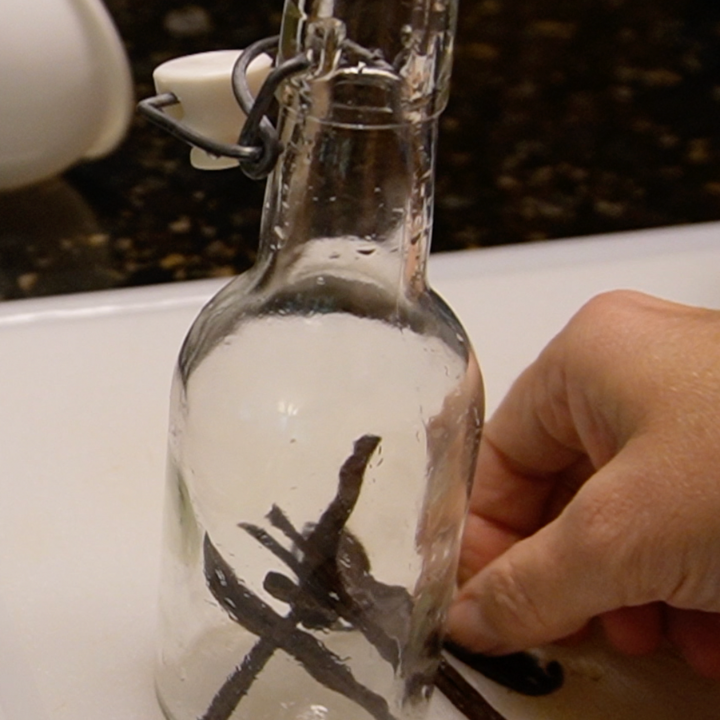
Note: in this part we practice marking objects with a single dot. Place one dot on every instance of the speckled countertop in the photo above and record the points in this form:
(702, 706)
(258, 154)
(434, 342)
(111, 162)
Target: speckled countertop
(568, 117)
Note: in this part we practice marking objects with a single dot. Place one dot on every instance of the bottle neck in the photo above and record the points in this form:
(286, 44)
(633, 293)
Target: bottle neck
(345, 199)
(354, 186)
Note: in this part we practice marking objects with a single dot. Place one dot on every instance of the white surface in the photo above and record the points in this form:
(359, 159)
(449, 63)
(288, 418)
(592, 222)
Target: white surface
(84, 382)
(65, 87)
(203, 85)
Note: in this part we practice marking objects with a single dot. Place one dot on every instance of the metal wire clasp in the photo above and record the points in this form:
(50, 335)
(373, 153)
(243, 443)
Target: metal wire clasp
(258, 146)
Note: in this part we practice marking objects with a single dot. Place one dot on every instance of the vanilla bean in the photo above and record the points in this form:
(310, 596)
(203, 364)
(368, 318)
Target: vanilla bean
(333, 520)
(238, 684)
(463, 695)
(319, 604)
(271, 544)
(281, 587)
(280, 520)
(520, 672)
(326, 548)
(330, 547)
(347, 588)
(307, 610)
(260, 619)
(334, 581)
(381, 612)
(322, 544)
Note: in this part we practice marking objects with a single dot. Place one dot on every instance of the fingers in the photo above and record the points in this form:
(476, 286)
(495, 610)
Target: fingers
(508, 504)
(697, 635)
(634, 630)
(640, 630)
(620, 543)
(505, 506)
(619, 365)
(635, 535)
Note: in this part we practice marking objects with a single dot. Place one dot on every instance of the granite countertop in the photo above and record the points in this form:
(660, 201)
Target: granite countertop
(567, 118)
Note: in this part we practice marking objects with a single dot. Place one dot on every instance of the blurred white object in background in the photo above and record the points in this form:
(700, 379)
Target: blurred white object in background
(65, 87)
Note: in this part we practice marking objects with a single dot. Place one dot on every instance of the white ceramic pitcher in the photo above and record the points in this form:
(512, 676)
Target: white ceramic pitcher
(65, 87)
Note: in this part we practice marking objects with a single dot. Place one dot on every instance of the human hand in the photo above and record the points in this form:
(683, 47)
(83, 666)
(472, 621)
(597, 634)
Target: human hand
(597, 491)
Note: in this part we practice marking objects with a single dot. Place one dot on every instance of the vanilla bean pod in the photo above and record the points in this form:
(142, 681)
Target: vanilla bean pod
(520, 672)
(329, 547)
(328, 530)
(312, 613)
(463, 695)
(271, 544)
(320, 548)
(278, 519)
(320, 551)
(260, 619)
(320, 603)
(240, 681)
(322, 543)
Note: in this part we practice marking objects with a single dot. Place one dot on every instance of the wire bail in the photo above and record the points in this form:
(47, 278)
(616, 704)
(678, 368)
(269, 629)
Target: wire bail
(258, 146)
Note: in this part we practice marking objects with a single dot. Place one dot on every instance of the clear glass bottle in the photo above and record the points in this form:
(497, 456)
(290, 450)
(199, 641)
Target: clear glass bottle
(326, 406)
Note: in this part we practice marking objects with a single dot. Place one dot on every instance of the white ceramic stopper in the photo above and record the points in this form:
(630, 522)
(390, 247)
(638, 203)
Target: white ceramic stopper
(203, 85)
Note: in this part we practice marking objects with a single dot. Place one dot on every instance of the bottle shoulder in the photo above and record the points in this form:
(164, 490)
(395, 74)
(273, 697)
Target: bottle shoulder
(252, 297)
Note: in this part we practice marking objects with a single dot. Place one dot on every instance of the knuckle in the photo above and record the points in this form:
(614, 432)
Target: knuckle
(602, 331)
(613, 303)
(606, 318)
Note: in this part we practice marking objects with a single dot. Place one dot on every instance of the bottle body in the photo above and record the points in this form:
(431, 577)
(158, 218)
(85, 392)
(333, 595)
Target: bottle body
(351, 427)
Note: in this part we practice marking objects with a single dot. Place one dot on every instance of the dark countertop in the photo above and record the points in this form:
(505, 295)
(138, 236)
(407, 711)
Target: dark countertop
(568, 118)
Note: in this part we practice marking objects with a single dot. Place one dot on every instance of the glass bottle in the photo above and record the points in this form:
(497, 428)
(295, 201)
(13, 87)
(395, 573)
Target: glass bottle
(326, 405)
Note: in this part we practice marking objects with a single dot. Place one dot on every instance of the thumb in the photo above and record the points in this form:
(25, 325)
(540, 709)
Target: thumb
(522, 600)
(549, 585)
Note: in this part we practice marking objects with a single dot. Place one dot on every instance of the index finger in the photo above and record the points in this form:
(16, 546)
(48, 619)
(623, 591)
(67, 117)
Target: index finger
(524, 462)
